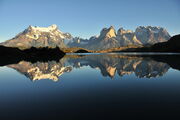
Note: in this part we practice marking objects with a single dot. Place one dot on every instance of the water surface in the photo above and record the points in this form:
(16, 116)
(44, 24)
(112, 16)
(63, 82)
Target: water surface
(90, 87)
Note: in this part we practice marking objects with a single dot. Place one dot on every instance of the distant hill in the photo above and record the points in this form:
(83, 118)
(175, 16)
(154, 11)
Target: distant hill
(14, 55)
(172, 45)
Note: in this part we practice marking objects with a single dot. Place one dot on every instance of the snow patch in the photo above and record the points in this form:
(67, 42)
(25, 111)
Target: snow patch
(44, 29)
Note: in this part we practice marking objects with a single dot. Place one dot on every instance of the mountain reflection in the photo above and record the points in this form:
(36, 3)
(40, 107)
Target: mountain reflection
(41, 70)
(109, 65)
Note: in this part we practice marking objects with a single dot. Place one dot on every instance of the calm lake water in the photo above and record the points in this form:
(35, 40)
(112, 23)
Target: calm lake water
(90, 87)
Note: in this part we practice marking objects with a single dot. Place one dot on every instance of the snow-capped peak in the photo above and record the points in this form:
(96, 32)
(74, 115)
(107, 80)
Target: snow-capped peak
(43, 29)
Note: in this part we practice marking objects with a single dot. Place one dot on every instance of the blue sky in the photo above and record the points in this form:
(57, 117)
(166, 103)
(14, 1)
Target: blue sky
(86, 18)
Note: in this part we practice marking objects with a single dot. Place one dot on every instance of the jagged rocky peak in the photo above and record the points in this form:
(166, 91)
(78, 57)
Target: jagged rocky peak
(122, 31)
(141, 29)
(152, 29)
(151, 34)
(108, 32)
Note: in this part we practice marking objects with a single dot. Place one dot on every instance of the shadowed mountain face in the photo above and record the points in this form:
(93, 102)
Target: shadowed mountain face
(108, 65)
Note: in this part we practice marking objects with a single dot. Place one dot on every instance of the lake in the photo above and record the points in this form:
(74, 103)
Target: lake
(91, 86)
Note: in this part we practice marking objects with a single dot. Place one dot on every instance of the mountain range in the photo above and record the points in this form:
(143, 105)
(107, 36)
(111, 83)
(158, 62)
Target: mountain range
(109, 38)
(52, 37)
